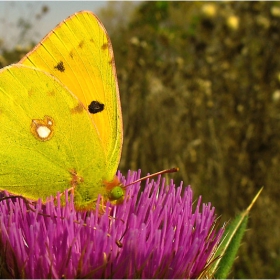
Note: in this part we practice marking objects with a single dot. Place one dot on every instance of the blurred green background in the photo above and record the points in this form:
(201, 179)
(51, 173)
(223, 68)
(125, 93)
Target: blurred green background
(200, 89)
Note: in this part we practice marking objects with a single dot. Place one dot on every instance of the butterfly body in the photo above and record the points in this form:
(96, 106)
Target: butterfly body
(50, 140)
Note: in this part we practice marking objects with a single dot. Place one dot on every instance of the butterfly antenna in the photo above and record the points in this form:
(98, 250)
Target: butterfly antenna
(171, 170)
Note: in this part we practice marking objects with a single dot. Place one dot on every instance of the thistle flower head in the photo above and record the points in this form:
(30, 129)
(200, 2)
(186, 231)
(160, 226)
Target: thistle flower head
(154, 233)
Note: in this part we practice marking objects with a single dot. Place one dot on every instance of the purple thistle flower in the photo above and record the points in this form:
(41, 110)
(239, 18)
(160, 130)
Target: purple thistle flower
(153, 234)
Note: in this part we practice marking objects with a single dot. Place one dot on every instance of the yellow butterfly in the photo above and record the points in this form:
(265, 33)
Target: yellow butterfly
(60, 116)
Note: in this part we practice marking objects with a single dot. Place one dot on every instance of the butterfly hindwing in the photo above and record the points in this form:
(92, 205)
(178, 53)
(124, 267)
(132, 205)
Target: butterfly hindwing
(37, 163)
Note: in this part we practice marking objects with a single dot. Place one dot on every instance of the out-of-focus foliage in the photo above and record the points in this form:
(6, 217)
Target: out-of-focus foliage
(24, 41)
(200, 89)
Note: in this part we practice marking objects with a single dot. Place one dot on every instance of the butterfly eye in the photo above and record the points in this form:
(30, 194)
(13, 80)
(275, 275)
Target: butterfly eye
(95, 107)
(116, 193)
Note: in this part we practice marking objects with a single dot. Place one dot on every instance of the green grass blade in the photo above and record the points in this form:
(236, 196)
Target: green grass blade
(229, 246)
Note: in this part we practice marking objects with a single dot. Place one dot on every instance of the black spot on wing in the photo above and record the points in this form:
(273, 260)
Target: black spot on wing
(60, 66)
(95, 107)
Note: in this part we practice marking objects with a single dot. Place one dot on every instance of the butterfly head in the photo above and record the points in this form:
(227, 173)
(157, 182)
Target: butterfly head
(115, 191)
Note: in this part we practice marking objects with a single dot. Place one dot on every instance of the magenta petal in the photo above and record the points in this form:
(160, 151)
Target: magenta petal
(157, 233)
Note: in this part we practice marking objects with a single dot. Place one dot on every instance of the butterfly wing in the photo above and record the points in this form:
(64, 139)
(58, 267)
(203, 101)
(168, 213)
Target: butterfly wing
(43, 128)
(79, 53)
